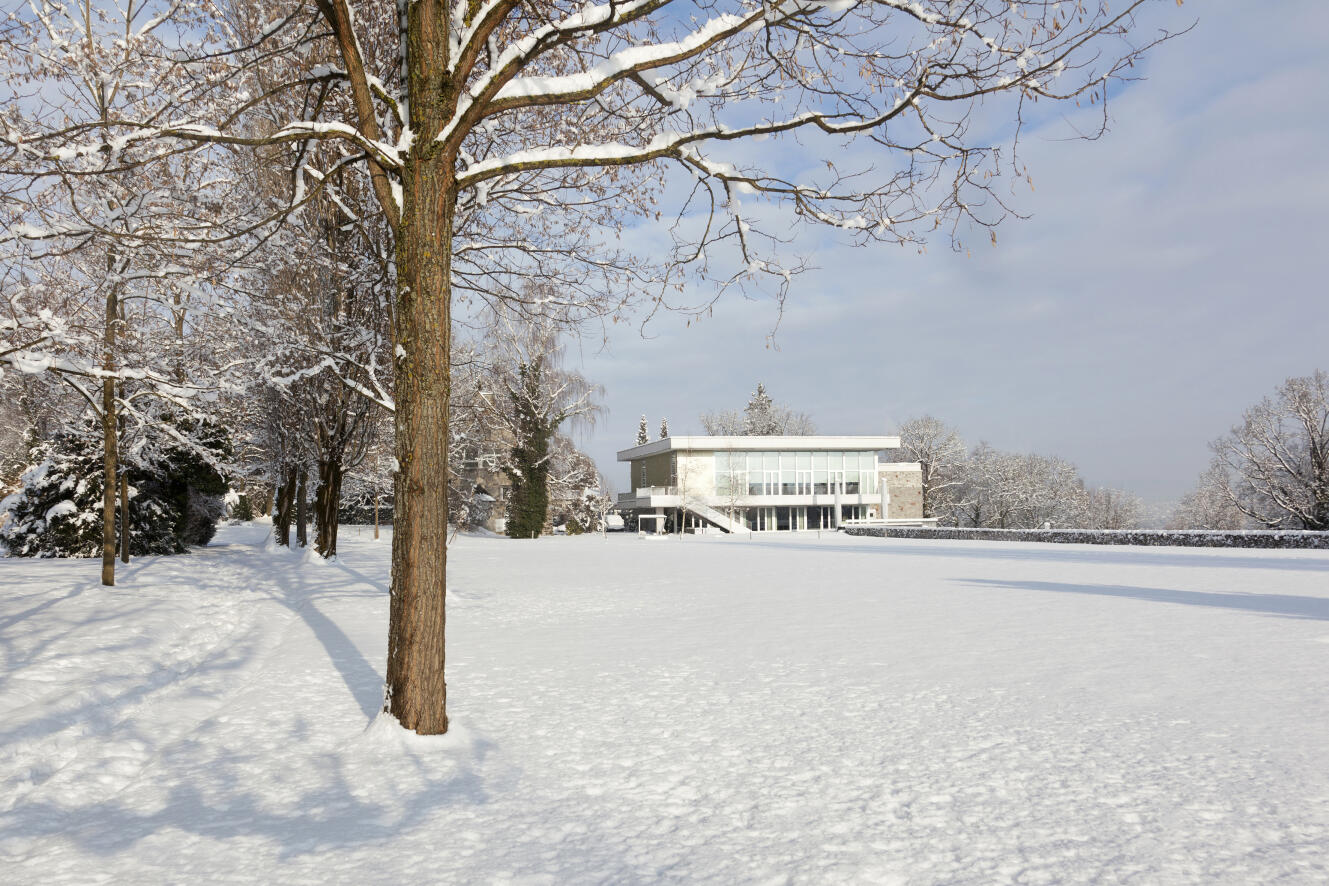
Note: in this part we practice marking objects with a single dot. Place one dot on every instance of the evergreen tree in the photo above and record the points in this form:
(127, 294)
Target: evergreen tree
(762, 417)
(643, 436)
(193, 484)
(664, 428)
(58, 510)
(528, 504)
(759, 419)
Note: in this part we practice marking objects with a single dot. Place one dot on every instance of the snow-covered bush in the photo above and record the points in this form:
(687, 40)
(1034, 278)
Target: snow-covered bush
(57, 511)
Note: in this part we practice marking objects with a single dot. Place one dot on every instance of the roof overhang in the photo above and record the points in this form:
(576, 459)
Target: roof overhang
(758, 444)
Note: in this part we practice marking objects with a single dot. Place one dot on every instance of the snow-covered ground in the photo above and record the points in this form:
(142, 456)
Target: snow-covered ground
(708, 710)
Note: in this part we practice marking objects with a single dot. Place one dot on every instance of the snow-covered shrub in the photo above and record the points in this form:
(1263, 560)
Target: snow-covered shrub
(188, 481)
(57, 511)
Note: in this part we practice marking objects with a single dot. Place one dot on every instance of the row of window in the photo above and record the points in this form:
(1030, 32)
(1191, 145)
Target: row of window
(795, 473)
(786, 519)
(796, 483)
(735, 462)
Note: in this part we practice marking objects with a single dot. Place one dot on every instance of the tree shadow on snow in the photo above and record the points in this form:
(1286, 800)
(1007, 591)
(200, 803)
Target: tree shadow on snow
(362, 679)
(1284, 605)
(215, 805)
(1125, 555)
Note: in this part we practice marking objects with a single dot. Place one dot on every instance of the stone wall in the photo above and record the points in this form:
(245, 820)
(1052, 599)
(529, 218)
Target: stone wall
(904, 481)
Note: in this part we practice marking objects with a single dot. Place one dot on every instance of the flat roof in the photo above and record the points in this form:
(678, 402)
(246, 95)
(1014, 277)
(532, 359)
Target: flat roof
(758, 444)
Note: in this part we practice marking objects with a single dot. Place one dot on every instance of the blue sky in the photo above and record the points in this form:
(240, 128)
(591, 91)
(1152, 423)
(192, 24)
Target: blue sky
(1172, 274)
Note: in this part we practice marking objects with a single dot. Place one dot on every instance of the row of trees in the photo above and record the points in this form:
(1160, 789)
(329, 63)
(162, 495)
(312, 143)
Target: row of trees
(644, 435)
(991, 488)
(1270, 471)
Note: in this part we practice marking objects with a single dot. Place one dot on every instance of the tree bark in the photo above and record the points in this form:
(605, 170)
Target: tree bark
(124, 517)
(110, 444)
(376, 518)
(327, 498)
(416, 691)
(302, 509)
(281, 523)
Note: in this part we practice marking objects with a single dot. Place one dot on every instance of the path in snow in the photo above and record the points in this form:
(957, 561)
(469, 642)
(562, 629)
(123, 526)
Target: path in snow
(702, 710)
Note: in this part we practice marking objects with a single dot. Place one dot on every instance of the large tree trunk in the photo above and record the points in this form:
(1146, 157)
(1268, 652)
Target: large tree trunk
(416, 692)
(327, 498)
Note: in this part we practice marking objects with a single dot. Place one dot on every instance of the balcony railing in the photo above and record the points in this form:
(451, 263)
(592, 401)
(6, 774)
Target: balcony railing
(647, 492)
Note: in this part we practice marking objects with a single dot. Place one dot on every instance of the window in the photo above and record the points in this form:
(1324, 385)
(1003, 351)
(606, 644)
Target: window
(851, 482)
(819, 482)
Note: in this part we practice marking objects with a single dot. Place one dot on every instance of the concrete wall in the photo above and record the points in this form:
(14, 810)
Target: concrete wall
(904, 481)
(696, 472)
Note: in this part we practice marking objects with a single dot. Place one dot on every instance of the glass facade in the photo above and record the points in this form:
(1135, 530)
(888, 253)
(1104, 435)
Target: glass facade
(784, 519)
(795, 473)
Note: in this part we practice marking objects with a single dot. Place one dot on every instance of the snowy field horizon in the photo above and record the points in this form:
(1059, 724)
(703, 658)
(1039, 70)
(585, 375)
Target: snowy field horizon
(697, 710)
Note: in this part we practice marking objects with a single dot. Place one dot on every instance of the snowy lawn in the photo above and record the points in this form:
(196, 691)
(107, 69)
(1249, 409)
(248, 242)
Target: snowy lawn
(711, 710)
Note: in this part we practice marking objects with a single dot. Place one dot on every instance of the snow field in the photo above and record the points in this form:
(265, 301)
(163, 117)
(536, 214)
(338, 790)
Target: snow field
(715, 710)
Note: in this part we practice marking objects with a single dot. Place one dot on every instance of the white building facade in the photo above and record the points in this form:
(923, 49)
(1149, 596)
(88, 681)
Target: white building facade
(767, 484)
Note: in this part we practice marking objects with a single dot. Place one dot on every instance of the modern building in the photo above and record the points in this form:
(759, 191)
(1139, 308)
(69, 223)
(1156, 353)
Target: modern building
(760, 484)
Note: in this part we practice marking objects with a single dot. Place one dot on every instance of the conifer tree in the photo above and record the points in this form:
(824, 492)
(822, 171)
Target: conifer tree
(759, 415)
(643, 436)
(664, 428)
(57, 511)
(528, 505)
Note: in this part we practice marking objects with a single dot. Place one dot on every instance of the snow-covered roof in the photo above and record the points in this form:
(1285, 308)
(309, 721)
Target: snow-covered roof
(759, 444)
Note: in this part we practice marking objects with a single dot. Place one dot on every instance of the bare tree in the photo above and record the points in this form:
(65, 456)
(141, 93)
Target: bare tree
(576, 500)
(500, 137)
(537, 396)
(723, 423)
(1107, 508)
(937, 447)
(1008, 490)
(1208, 505)
(1277, 459)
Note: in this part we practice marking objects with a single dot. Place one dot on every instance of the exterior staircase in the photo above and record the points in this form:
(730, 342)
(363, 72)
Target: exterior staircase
(719, 518)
